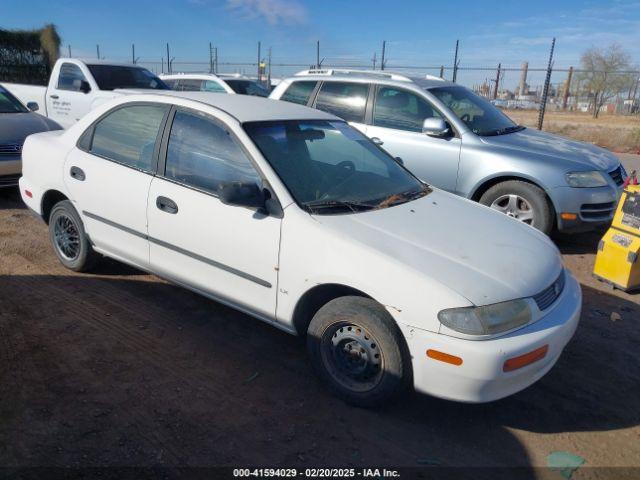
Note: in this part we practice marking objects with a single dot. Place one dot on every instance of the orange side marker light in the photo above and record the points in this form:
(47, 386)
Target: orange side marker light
(526, 359)
(444, 357)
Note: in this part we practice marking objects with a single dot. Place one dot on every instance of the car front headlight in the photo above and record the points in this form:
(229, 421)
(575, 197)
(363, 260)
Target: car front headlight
(488, 319)
(586, 179)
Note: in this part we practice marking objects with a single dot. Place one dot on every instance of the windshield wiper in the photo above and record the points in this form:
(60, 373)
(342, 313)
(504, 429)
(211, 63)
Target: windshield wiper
(398, 198)
(332, 204)
(503, 131)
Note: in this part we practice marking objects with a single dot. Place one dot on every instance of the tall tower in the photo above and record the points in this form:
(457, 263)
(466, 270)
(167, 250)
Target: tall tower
(523, 79)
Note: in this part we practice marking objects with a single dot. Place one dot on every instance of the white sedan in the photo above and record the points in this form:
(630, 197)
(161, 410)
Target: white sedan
(294, 217)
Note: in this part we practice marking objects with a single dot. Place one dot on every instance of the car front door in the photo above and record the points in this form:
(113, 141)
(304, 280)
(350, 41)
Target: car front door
(228, 252)
(396, 126)
(108, 176)
(347, 100)
(69, 100)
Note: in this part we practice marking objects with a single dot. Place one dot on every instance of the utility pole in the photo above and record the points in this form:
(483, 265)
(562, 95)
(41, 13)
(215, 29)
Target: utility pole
(455, 63)
(567, 89)
(545, 91)
(98, 51)
(69, 47)
(383, 61)
(317, 54)
(168, 60)
(495, 87)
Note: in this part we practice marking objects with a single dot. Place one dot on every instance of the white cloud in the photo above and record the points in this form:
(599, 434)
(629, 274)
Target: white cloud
(288, 12)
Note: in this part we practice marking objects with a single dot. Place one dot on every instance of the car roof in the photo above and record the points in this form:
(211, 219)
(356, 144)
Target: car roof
(192, 75)
(374, 76)
(92, 61)
(247, 108)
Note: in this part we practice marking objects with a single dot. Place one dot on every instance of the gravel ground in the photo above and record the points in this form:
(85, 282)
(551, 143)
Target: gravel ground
(119, 368)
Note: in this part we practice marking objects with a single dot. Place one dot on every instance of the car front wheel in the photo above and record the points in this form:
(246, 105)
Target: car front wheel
(358, 351)
(69, 240)
(523, 201)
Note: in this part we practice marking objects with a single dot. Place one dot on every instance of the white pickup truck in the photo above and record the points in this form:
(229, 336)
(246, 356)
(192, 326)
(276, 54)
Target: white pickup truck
(78, 86)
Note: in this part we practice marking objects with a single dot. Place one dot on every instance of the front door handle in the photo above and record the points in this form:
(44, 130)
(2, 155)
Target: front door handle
(55, 97)
(77, 173)
(166, 205)
(377, 141)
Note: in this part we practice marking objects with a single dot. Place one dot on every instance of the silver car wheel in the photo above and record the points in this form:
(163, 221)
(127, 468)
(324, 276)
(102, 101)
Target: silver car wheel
(514, 206)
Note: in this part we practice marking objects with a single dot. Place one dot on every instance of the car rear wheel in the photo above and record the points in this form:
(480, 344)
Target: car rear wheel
(523, 201)
(358, 351)
(69, 240)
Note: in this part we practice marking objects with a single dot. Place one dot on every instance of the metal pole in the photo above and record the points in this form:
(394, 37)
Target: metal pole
(259, 61)
(210, 59)
(168, 60)
(318, 54)
(441, 71)
(383, 61)
(69, 47)
(269, 70)
(455, 63)
(545, 91)
(374, 60)
(495, 87)
(215, 63)
(133, 53)
(98, 51)
(567, 89)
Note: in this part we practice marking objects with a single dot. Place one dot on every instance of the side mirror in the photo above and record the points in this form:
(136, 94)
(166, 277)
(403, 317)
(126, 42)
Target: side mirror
(85, 87)
(241, 194)
(33, 106)
(435, 127)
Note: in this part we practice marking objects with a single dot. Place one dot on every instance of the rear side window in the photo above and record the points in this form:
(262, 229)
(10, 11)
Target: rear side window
(70, 77)
(188, 85)
(202, 154)
(128, 135)
(343, 99)
(299, 92)
(212, 86)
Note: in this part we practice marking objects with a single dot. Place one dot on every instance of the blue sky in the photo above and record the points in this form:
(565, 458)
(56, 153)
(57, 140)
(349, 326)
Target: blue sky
(417, 31)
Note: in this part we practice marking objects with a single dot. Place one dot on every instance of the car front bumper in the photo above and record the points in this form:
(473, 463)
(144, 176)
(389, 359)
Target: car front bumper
(592, 207)
(10, 171)
(480, 377)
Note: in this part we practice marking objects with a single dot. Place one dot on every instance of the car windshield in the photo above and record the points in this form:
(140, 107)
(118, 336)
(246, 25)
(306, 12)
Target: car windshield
(247, 87)
(478, 114)
(329, 167)
(110, 77)
(9, 103)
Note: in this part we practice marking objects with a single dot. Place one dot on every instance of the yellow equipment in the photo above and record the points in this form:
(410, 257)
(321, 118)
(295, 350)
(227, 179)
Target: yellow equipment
(617, 262)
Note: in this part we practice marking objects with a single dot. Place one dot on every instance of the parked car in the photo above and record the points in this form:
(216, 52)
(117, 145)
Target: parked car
(292, 216)
(209, 82)
(16, 123)
(77, 86)
(455, 140)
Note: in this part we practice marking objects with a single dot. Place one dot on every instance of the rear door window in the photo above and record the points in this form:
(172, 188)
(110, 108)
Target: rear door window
(212, 86)
(299, 92)
(190, 85)
(344, 99)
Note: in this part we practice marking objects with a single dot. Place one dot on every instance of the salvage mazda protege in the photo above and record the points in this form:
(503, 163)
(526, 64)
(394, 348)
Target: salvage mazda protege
(292, 216)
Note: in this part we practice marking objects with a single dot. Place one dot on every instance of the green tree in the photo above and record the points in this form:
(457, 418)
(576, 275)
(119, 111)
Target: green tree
(605, 73)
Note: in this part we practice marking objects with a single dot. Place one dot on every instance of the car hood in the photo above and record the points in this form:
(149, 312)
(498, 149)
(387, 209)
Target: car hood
(477, 252)
(17, 126)
(580, 154)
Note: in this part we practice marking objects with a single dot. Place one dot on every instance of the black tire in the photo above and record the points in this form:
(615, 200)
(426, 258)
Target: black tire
(533, 196)
(68, 238)
(344, 326)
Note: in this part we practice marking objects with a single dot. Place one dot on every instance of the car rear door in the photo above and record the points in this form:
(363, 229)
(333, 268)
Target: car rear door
(396, 125)
(109, 173)
(228, 252)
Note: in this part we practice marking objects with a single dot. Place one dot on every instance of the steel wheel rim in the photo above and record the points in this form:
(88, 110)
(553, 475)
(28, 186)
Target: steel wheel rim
(66, 237)
(514, 206)
(353, 357)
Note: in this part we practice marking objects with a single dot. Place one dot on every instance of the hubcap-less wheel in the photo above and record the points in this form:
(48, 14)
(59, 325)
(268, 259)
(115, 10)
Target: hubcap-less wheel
(353, 356)
(67, 238)
(514, 206)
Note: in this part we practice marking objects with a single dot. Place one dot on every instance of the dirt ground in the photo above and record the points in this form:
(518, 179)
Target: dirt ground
(620, 133)
(118, 368)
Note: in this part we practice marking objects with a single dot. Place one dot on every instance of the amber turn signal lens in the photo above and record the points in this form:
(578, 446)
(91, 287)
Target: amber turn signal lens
(28, 193)
(568, 216)
(444, 357)
(526, 359)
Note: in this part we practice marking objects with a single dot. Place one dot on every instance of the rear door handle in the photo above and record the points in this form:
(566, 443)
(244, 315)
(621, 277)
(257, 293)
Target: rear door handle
(166, 205)
(55, 97)
(77, 173)
(377, 141)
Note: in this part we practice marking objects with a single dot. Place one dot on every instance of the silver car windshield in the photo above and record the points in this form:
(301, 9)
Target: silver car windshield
(478, 114)
(330, 167)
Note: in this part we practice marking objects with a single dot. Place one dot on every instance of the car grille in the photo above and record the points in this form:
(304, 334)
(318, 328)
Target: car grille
(545, 298)
(597, 211)
(13, 149)
(616, 175)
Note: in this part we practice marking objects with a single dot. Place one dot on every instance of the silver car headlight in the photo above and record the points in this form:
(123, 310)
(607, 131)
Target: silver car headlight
(489, 319)
(586, 179)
